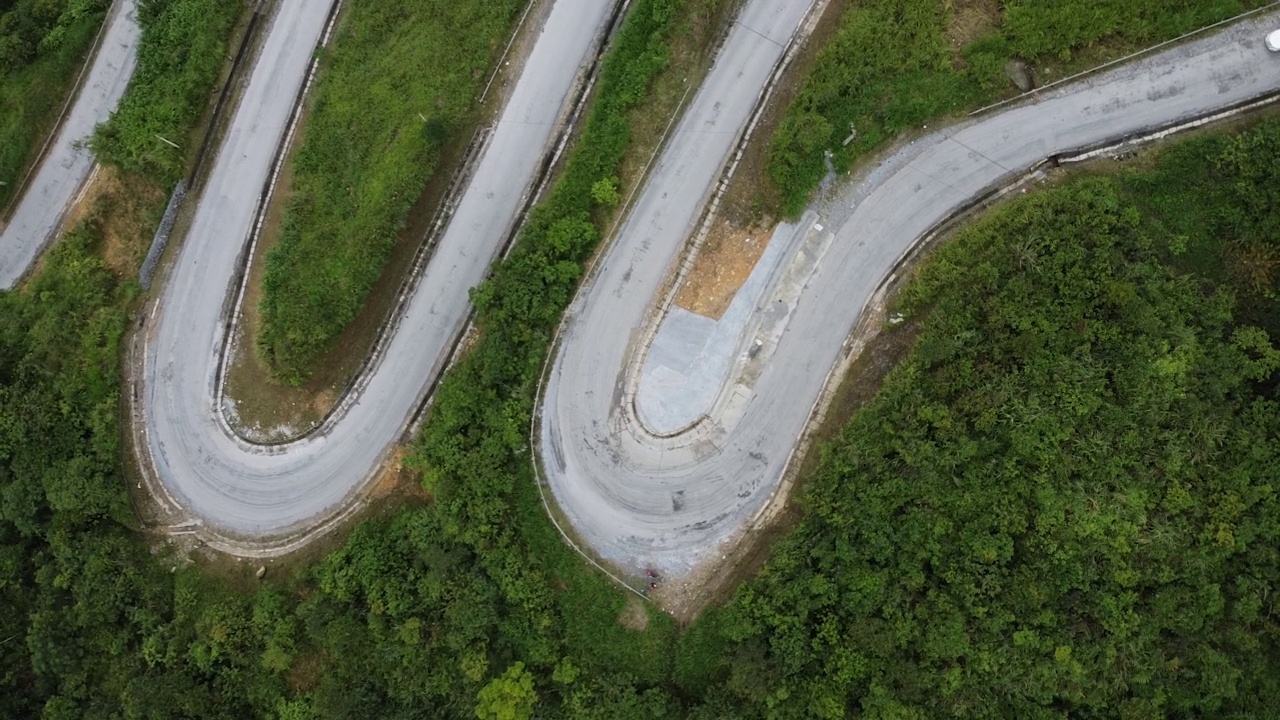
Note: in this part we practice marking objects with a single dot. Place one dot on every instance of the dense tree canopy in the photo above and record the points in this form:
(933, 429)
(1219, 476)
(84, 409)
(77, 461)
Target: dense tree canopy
(1063, 504)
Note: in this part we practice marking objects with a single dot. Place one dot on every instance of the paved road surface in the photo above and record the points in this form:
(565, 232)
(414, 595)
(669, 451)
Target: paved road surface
(642, 500)
(241, 489)
(65, 167)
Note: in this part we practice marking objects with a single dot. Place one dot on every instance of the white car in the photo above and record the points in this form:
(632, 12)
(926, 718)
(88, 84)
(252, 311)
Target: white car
(1273, 41)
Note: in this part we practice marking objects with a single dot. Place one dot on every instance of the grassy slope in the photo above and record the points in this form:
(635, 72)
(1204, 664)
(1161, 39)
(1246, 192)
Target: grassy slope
(31, 99)
(400, 81)
(889, 68)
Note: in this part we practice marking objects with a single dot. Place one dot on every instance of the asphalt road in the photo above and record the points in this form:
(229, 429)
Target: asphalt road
(243, 490)
(641, 500)
(65, 166)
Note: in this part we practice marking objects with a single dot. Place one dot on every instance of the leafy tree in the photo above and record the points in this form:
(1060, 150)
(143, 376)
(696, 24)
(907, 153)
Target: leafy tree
(508, 697)
(605, 191)
(1059, 505)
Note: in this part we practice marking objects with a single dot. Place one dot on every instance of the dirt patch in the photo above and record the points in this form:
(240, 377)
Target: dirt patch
(124, 214)
(126, 234)
(634, 615)
(721, 266)
(323, 401)
(305, 672)
(968, 20)
(715, 581)
(734, 243)
(396, 479)
(88, 200)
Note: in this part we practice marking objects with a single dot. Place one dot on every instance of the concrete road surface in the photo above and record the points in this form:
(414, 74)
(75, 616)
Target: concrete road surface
(643, 499)
(64, 167)
(243, 490)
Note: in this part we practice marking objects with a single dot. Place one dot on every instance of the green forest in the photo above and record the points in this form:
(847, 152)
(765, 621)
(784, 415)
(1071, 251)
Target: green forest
(1059, 505)
(1063, 503)
(42, 47)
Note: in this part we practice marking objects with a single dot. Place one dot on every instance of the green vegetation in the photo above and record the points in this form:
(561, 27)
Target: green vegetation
(96, 628)
(400, 83)
(889, 68)
(178, 63)
(1060, 505)
(1063, 503)
(472, 605)
(42, 46)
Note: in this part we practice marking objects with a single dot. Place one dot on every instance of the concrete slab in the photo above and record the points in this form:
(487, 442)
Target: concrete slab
(689, 361)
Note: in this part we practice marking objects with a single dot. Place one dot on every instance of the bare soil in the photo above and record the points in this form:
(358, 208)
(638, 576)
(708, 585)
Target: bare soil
(968, 20)
(738, 235)
(714, 583)
(124, 216)
(721, 266)
(127, 225)
(396, 479)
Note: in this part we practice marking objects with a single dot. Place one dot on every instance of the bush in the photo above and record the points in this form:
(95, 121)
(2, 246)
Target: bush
(182, 51)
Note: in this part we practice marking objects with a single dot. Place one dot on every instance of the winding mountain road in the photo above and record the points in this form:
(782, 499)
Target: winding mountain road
(638, 498)
(671, 500)
(66, 165)
(259, 499)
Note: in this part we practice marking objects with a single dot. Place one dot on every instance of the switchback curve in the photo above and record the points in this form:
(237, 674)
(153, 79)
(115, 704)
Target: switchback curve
(673, 501)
